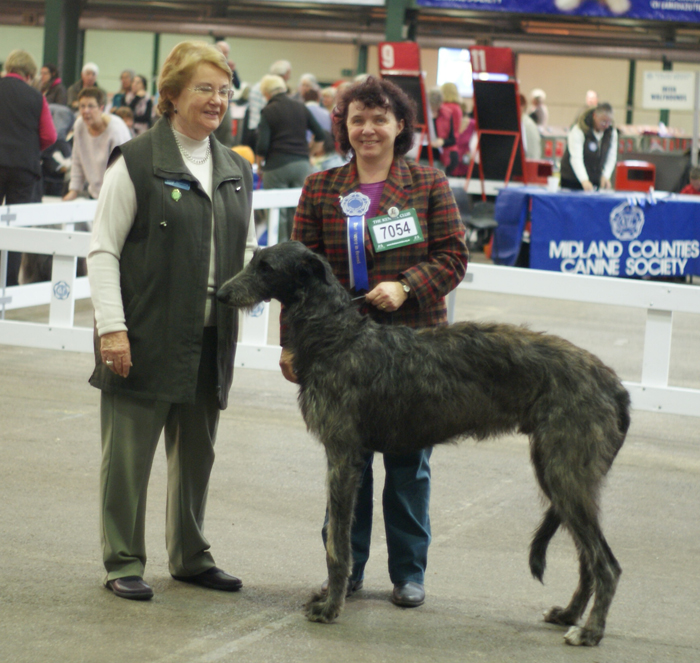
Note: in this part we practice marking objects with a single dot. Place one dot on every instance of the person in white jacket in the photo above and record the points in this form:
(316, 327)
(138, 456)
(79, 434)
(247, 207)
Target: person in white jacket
(591, 152)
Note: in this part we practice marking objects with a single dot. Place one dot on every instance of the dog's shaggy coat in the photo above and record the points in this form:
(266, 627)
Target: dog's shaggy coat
(367, 387)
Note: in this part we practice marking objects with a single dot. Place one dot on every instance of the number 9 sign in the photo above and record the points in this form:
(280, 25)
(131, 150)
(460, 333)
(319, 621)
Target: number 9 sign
(387, 56)
(399, 58)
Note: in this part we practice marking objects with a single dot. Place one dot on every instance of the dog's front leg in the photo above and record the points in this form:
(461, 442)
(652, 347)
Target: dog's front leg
(343, 479)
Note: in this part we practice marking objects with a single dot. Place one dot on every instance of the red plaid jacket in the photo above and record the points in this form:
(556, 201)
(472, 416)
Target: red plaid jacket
(432, 268)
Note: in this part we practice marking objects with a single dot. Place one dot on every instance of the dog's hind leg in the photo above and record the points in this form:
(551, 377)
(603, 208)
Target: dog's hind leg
(606, 573)
(343, 481)
(572, 613)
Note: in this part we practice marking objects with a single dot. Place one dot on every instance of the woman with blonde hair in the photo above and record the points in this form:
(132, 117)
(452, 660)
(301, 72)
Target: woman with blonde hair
(173, 222)
(448, 123)
(282, 142)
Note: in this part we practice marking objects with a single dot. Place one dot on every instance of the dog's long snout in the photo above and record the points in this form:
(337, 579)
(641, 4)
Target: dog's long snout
(224, 293)
(239, 292)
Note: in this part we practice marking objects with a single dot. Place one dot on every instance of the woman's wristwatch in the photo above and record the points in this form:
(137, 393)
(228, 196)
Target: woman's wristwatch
(406, 288)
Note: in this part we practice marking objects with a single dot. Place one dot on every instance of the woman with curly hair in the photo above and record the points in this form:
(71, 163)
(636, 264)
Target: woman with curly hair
(400, 282)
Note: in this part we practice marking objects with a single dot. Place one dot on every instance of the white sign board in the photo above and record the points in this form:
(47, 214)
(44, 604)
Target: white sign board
(669, 90)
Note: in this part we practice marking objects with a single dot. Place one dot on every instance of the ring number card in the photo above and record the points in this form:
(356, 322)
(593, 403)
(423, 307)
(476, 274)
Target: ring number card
(391, 232)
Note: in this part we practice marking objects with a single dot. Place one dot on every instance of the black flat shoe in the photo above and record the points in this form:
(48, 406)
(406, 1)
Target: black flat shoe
(130, 587)
(213, 578)
(408, 595)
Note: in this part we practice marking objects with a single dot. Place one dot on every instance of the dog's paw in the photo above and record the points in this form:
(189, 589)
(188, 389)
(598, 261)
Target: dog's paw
(321, 609)
(579, 636)
(559, 616)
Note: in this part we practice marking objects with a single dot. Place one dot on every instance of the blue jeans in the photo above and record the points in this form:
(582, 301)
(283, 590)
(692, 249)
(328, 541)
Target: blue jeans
(406, 501)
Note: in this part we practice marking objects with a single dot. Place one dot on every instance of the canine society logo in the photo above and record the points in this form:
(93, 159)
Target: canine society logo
(627, 221)
(61, 290)
(257, 311)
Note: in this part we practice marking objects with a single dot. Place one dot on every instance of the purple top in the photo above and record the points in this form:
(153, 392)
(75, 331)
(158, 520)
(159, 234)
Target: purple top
(374, 193)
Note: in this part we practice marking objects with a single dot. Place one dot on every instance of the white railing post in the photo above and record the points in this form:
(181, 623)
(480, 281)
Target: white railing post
(62, 306)
(273, 226)
(255, 325)
(657, 348)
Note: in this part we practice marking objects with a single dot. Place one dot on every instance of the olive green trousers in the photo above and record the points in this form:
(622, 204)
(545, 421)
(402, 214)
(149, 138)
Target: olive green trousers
(131, 429)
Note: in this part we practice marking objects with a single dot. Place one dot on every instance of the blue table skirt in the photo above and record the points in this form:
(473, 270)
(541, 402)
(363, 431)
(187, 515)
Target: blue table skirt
(611, 234)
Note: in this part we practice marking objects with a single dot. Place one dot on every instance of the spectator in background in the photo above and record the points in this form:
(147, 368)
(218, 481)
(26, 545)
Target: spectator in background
(282, 143)
(539, 112)
(95, 135)
(141, 105)
(447, 120)
(447, 126)
(224, 132)
(321, 115)
(693, 187)
(591, 151)
(306, 82)
(55, 164)
(26, 128)
(88, 78)
(532, 139)
(325, 155)
(224, 48)
(125, 95)
(328, 95)
(56, 159)
(51, 86)
(591, 102)
(126, 114)
(256, 102)
(464, 146)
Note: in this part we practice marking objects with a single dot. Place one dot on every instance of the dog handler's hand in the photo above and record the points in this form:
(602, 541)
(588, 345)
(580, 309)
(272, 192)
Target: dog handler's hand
(286, 360)
(387, 296)
(116, 352)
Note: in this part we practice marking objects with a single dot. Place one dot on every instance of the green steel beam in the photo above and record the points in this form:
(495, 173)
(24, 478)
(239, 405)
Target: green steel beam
(362, 51)
(396, 29)
(156, 64)
(664, 114)
(62, 38)
(630, 91)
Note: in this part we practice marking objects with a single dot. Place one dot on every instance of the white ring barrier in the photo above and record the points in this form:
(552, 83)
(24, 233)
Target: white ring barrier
(18, 232)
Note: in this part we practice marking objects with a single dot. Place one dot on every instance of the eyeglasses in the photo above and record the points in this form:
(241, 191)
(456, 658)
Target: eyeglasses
(225, 93)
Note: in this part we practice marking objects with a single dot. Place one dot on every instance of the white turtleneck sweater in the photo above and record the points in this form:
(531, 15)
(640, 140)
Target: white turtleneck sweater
(116, 211)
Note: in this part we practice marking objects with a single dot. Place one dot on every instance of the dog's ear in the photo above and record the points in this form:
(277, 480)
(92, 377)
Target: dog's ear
(316, 266)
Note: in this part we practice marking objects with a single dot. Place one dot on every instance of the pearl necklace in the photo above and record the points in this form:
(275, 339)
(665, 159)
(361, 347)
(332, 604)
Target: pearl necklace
(196, 161)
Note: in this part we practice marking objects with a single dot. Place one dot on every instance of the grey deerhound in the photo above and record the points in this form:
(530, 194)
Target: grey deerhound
(367, 387)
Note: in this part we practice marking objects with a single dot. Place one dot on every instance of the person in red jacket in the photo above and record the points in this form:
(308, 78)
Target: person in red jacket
(448, 124)
(693, 188)
(27, 130)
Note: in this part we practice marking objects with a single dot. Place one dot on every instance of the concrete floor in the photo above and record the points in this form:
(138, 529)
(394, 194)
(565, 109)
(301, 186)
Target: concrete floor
(265, 510)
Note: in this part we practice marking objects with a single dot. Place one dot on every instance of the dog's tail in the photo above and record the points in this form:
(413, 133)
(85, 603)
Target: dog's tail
(538, 549)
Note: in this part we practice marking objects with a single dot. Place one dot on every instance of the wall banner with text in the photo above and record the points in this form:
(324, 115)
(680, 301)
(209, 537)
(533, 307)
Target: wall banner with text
(649, 10)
